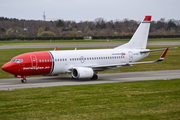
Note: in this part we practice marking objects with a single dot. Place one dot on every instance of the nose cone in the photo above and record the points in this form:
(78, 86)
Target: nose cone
(8, 67)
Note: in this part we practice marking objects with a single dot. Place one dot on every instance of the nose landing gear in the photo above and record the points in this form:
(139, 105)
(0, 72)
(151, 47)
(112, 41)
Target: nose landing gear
(23, 80)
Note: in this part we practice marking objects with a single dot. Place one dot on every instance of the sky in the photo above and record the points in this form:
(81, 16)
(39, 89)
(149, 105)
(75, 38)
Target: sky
(88, 10)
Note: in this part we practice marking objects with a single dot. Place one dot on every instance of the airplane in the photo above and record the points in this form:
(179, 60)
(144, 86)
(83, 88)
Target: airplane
(84, 63)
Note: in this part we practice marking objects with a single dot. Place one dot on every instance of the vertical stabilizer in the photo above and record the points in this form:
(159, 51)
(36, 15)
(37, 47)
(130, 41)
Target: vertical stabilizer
(140, 37)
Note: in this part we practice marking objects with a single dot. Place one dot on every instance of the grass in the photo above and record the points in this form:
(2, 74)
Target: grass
(55, 42)
(115, 101)
(164, 40)
(131, 100)
(60, 42)
(171, 61)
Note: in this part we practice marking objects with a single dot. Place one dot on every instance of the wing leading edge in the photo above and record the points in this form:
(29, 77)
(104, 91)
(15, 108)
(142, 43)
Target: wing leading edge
(147, 51)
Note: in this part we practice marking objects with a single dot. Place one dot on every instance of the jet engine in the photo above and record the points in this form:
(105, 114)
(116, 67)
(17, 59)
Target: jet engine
(82, 72)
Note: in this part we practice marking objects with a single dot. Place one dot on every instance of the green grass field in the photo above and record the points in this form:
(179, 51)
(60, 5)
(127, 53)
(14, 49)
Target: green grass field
(150, 100)
(147, 100)
(60, 42)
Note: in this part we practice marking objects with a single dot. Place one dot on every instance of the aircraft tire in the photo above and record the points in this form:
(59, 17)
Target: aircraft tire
(95, 77)
(24, 80)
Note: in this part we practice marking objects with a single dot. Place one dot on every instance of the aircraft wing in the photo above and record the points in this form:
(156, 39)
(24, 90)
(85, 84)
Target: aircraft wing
(114, 66)
(147, 51)
(111, 66)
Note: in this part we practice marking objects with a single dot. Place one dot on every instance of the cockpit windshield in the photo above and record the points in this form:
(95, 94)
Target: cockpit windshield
(17, 60)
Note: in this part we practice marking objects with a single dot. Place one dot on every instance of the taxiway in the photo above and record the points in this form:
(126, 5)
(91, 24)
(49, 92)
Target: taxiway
(82, 45)
(48, 81)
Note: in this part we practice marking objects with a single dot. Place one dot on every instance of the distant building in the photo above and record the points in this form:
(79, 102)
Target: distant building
(25, 29)
(88, 38)
(79, 31)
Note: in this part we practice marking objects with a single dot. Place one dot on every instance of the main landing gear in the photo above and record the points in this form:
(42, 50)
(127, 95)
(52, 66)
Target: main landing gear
(94, 77)
(23, 80)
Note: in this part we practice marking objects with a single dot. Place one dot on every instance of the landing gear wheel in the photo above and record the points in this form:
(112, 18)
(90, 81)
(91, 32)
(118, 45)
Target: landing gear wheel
(24, 80)
(95, 77)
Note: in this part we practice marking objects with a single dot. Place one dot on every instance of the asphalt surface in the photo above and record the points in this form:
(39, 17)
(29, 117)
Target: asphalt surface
(34, 82)
(81, 45)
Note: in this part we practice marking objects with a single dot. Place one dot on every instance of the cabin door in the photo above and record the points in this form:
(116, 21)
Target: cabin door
(33, 60)
(130, 56)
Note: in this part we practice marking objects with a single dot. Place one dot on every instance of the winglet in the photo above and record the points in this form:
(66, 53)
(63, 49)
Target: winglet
(55, 48)
(162, 56)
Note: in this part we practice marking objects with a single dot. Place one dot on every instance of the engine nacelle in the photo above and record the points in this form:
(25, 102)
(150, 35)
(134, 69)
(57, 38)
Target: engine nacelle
(82, 72)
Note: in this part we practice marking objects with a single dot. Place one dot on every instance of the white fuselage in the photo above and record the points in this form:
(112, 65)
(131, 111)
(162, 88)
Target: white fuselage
(64, 60)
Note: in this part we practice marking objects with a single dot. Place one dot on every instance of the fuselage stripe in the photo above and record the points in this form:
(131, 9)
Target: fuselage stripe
(52, 62)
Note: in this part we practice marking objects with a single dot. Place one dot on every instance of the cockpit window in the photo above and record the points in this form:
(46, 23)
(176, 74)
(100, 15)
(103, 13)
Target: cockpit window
(17, 60)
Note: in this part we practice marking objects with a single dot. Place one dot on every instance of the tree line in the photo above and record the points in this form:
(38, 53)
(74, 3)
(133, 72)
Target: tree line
(12, 27)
